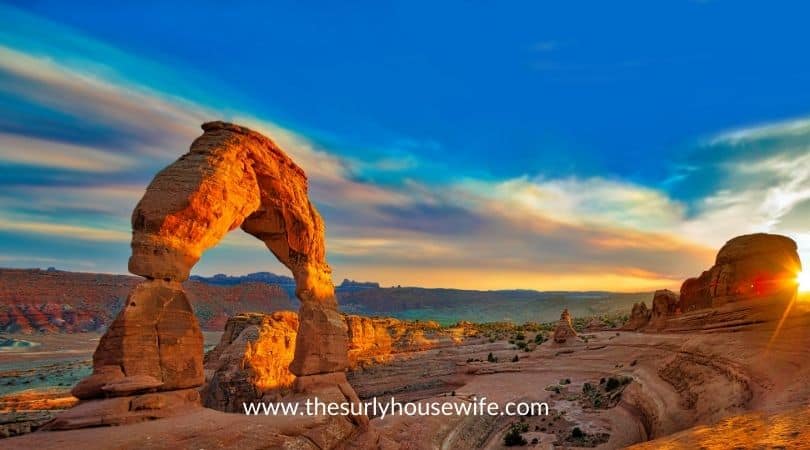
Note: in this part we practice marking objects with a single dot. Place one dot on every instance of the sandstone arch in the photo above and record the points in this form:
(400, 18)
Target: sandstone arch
(231, 177)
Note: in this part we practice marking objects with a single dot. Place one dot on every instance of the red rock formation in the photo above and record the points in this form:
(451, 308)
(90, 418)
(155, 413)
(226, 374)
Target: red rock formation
(155, 343)
(33, 300)
(639, 317)
(231, 177)
(665, 305)
(565, 329)
(251, 361)
(749, 266)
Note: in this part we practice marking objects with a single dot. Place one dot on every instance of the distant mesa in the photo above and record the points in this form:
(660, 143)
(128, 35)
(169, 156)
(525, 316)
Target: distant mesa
(55, 301)
(351, 284)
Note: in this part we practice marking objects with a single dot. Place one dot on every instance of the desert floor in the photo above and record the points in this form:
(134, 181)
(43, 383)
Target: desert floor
(720, 380)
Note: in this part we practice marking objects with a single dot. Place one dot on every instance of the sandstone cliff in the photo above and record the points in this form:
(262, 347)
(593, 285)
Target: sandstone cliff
(748, 269)
(749, 266)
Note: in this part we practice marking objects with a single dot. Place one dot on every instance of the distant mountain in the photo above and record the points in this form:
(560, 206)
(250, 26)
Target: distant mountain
(451, 305)
(284, 282)
(33, 300)
(53, 300)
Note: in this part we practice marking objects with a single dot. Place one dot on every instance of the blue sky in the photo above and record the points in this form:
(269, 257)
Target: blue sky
(580, 145)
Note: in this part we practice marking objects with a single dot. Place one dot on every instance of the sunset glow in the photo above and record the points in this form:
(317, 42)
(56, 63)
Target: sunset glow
(803, 281)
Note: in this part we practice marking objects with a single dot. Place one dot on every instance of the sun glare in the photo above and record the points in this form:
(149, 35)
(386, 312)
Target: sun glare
(803, 280)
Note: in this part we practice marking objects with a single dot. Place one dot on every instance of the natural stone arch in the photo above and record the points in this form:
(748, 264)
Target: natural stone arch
(230, 177)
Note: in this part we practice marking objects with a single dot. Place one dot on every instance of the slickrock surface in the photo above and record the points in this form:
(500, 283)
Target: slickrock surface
(752, 377)
(749, 266)
(33, 300)
(252, 360)
(565, 329)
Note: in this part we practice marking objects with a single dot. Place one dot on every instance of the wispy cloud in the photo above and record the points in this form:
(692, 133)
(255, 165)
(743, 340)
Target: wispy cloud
(535, 230)
(64, 230)
(26, 151)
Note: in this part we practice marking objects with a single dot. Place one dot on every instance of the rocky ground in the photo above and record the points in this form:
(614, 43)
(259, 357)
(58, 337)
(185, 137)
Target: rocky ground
(731, 351)
(605, 389)
(35, 379)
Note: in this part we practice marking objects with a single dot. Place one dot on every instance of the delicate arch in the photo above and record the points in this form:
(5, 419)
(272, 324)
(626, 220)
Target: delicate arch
(230, 177)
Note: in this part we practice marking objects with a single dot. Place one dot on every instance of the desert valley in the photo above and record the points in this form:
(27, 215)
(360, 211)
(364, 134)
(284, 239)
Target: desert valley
(165, 360)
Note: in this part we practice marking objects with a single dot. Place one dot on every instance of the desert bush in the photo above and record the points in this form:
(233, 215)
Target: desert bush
(514, 436)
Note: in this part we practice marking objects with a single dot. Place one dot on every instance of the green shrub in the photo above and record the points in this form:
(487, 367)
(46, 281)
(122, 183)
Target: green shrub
(513, 437)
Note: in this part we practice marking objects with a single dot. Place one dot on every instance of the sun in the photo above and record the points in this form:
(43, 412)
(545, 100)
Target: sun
(803, 280)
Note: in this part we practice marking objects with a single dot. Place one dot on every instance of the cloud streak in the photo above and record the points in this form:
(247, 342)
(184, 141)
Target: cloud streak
(528, 231)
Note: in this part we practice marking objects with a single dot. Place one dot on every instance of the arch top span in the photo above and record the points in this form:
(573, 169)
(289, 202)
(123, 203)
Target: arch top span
(231, 177)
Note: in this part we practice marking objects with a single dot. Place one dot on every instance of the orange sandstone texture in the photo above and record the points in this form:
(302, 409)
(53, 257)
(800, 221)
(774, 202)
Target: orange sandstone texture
(231, 177)
(251, 360)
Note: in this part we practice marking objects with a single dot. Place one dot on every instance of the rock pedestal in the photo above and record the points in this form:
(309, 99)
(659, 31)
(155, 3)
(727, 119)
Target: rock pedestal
(565, 329)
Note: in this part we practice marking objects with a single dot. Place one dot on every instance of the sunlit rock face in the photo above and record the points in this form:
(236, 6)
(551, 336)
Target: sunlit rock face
(749, 266)
(231, 177)
(251, 361)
